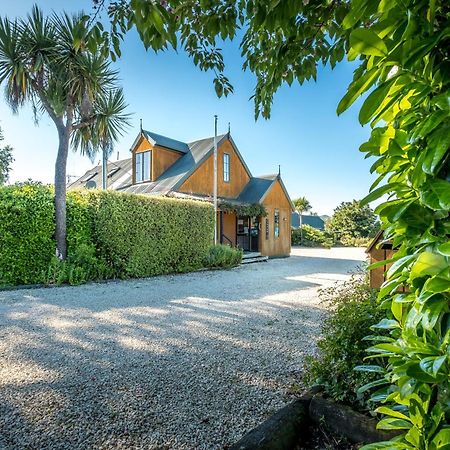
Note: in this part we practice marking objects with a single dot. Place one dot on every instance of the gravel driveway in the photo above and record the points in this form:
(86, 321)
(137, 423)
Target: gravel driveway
(175, 362)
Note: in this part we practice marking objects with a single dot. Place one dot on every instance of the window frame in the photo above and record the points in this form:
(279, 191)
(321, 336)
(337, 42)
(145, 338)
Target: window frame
(226, 167)
(139, 160)
(276, 223)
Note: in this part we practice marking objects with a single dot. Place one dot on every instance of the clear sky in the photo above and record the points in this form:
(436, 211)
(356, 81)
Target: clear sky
(317, 151)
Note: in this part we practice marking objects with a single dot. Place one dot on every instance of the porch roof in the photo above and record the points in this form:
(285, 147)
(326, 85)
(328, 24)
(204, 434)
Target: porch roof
(208, 198)
(256, 189)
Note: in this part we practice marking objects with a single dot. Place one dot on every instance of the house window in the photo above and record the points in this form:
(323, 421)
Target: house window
(276, 221)
(267, 229)
(226, 167)
(143, 166)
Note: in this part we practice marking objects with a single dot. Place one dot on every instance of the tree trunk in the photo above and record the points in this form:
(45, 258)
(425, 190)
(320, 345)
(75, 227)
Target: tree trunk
(60, 192)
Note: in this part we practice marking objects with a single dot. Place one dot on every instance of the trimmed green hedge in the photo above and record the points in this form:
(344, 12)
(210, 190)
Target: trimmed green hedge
(27, 220)
(142, 236)
(109, 235)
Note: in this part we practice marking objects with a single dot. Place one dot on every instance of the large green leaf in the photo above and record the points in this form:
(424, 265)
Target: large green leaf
(428, 263)
(429, 124)
(387, 445)
(441, 189)
(358, 87)
(370, 368)
(367, 42)
(439, 144)
(392, 423)
(442, 440)
(371, 385)
(378, 192)
(373, 101)
(400, 264)
(392, 412)
(438, 283)
(444, 249)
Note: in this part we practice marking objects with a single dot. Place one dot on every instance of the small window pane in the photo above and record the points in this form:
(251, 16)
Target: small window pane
(146, 166)
(143, 166)
(138, 167)
(267, 229)
(277, 223)
(226, 167)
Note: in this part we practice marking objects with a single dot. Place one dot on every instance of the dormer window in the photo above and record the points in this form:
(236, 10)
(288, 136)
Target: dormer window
(226, 167)
(143, 164)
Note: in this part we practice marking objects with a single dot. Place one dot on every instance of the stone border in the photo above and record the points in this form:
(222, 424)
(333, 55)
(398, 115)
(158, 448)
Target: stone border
(289, 427)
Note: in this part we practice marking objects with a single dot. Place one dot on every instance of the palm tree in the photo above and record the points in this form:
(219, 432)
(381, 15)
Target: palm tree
(51, 63)
(302, 205)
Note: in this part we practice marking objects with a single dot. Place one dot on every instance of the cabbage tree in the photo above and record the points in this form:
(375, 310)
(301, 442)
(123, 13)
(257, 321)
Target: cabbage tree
(49, 63)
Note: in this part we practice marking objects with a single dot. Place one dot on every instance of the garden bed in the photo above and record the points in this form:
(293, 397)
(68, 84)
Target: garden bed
(313, 422)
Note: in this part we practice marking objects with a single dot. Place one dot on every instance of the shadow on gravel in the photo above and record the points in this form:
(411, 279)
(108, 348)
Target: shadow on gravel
(177, 362)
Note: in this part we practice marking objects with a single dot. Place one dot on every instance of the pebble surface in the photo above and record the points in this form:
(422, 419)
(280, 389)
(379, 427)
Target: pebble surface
(177, 362)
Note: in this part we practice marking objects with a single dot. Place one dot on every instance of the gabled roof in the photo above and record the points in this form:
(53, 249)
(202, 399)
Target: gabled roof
(169, 181)
(178, 172)
(256, 189)
(163, 141)
(379, 239)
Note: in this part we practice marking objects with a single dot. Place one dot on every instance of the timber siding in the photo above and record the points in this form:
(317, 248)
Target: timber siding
(201, 181)
(281, 245)
(380, 250)
(182, 169)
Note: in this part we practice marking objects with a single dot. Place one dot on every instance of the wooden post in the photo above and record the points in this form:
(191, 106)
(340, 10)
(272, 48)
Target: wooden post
(215, 180)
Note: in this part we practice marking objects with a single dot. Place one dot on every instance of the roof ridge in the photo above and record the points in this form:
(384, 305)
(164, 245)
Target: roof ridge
(267, 177)
(219, 136)
(162, 135)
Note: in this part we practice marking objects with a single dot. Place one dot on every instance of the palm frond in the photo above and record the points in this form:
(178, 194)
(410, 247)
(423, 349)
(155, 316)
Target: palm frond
(107, 125)
(13, 70)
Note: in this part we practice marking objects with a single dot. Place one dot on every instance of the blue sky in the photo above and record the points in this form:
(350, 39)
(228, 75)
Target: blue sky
(317, 151)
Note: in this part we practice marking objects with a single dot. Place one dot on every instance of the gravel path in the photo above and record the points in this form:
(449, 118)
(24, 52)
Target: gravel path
(176, 362)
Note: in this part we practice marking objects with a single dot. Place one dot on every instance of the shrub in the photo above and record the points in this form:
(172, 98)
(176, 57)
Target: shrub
(223, 256)
(108, 234)
(342, 346)
(27, 220)
(312, 237)
(349, 241)
(142, 236)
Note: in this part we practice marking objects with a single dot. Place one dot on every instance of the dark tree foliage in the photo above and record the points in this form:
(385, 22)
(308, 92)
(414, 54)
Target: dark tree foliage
(353, 220)
(402, 47)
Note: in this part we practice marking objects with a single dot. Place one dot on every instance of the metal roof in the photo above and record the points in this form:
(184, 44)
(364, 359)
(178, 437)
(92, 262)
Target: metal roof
(171, 180)
(307, 219)
(255, 189)
(164, 141)
(116, 179)
(178, 172)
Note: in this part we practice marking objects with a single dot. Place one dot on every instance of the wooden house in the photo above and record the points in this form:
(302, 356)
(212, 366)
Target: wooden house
(254, 213)
(379, 250)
